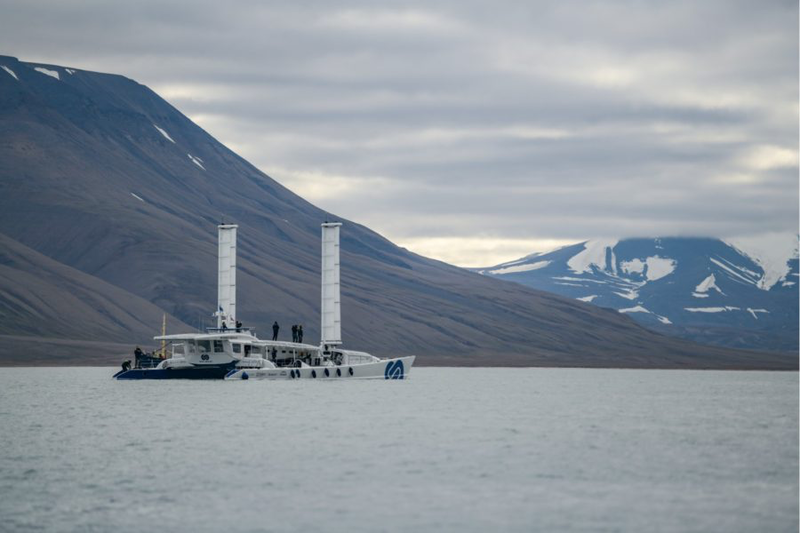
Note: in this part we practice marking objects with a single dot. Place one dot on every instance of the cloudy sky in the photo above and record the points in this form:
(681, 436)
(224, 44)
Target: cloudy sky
(474, 132)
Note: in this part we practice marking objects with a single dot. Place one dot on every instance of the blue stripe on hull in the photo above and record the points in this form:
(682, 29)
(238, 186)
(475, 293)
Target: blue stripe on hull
(215, 372)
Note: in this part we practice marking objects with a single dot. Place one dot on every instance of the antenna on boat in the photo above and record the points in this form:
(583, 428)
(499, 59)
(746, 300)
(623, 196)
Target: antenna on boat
(226, 274)
(330, 311)
(163, 333)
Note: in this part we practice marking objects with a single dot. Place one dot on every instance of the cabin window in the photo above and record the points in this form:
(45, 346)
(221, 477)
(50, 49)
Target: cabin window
(218, 347)
(257, 350)
(177, 349)
(247, 350)
(237, 348)
(205, 346)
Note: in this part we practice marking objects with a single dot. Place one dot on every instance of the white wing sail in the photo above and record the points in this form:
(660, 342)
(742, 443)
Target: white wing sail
(331, 333)
(226, 282)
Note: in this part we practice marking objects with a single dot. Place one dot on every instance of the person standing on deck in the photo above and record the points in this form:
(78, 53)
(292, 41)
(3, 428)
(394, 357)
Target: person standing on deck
(294, 332)
(300, 333)
(275, 329)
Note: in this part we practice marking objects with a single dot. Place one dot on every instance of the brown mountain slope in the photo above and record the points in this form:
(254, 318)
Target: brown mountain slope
(46, 299)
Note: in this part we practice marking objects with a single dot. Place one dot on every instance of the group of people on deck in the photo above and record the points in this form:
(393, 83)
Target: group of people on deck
(297, 332)
(238, 327)
(140, 357)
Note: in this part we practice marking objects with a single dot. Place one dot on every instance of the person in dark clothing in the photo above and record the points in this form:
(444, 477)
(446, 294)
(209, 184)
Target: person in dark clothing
(294, 333)
(126, 365)
(275, 329)
(274, 353)
(238, 327)
(300, 333)
(224, 327)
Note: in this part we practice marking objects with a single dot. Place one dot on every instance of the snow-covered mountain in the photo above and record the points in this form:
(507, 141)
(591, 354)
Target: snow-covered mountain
(741, 292)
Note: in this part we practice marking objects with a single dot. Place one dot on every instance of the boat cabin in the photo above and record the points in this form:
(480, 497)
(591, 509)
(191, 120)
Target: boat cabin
(224, 348)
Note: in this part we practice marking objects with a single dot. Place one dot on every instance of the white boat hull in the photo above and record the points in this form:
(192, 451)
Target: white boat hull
(397, 368)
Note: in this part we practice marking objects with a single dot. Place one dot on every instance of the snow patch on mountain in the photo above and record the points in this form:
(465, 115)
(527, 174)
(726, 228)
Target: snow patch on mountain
(582, 280)
(637, 309)
(197, 161)
(520, 268)
(746, 272)
(772, 252)
(628, 295)
(587, 299)
(9, 71)
(731, 271)
(659, 267)
(594, 253)
(164, 133)
(710, 283)
(70, 71)
(752, 311)
(137, 197)
(634, 266)
(640, 309)
(48, 72)
(652, 268)
(711, 309)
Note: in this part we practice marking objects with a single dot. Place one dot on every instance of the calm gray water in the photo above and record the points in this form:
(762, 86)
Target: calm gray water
(447, 450)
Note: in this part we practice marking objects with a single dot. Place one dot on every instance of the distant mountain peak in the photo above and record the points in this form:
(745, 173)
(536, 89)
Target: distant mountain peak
(739, 292)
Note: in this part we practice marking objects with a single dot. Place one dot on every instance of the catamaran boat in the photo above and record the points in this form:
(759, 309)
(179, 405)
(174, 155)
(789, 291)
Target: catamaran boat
(236, 353)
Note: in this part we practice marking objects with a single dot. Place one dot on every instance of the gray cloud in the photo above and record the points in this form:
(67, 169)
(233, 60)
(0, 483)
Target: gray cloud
(473, 121)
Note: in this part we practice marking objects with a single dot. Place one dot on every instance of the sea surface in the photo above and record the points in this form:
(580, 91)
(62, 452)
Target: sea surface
(450, 449)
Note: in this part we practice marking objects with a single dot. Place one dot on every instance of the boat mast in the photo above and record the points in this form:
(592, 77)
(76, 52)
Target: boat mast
(226, 275)
(331, 315)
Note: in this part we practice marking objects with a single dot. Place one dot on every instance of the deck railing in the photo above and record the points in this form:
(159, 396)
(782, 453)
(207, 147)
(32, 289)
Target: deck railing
(231, 330)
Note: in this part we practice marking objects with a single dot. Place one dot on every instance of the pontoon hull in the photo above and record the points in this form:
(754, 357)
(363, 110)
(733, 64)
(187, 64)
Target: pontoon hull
(214, 372)
(397, 368)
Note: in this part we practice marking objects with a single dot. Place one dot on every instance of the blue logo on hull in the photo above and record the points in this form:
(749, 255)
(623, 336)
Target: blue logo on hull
(394, 370)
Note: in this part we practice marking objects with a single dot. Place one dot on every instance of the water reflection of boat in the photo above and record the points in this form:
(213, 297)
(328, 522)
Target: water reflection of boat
(236, 353)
